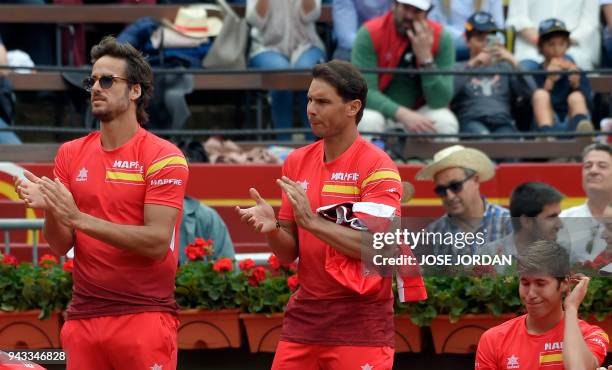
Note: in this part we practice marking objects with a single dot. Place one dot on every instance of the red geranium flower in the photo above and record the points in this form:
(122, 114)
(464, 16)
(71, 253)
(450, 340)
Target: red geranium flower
(223, 265)
(47, 261)
(293, 267)
(206, 245)
(7, 259)
(69, 265)
(293, 282)
(246, 264)
(257, 276)
(274, 262)
(194, 252)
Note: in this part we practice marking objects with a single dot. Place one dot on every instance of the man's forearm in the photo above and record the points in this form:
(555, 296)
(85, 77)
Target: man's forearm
(576, 354)
(59, 236)
(283, 242)
(530, 35)
(146, 240)
(308, 6)
(262, 8)
(343, 239)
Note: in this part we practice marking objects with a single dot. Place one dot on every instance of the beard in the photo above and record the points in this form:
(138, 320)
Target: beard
(110, 111)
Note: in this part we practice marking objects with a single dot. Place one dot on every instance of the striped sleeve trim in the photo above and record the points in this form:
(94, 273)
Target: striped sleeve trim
(380, 175)
(174, 160)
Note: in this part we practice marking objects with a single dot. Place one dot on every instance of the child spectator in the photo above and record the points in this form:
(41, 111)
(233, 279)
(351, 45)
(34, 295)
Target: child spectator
(483, 103)
(561, 102)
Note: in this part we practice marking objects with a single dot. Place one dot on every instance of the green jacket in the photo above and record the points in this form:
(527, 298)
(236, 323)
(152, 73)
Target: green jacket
(405, 90)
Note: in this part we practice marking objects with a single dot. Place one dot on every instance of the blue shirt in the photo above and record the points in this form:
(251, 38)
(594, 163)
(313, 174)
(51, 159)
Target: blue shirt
(495, 224)
(562, 89)
(349, 15)
(454, 19)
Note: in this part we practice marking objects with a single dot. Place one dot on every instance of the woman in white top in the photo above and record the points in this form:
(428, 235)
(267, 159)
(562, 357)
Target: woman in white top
(284, 36)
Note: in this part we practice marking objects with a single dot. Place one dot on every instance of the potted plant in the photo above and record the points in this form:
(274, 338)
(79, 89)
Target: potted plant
(206, 293)
(32, 298)
(264, 300)
(596, 307)
(465, 307)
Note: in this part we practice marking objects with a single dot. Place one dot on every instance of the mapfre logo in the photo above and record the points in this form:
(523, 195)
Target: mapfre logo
(127, 165)
(552, 346)
(344, 176)
(157, 182)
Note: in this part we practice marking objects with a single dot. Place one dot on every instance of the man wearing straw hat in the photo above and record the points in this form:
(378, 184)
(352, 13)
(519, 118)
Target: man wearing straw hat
(457, 172)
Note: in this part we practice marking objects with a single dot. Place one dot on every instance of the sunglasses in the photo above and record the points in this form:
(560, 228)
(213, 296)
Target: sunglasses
(106, 81)
(455, 187)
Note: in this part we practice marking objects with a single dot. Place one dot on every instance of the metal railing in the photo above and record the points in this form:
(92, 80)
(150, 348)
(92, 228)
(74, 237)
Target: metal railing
(10, 224)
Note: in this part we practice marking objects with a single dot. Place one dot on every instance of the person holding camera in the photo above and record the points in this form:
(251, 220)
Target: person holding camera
(561, 102)
(483, 102)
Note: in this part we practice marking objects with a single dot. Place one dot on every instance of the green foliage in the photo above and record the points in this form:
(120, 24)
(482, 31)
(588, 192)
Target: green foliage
(27, 287)
(461, 295)
(199, 286)
(270, 296)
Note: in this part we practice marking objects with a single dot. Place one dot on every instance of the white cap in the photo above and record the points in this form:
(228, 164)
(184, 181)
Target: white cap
(424, 5)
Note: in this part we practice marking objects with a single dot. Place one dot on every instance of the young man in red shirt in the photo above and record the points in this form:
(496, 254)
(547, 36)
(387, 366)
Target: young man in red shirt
(117, 198)
(335, 320)
(550, 335)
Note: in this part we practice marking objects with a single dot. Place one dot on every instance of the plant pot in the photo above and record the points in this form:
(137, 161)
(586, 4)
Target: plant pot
(606, 325)
(407, 335)
(263, 331)
(201, 329)
(462, 336)
(23, 330)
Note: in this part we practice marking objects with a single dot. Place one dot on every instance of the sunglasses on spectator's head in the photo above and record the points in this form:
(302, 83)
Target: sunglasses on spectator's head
(455, 187)
(106, 81)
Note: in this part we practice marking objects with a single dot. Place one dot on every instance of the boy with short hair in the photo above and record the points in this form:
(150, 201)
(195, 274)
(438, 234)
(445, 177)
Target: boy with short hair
(550, 335)
(561, 104)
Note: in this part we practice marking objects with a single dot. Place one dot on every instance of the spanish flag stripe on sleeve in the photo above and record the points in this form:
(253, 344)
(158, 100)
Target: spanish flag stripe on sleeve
(342, 189)
(555, 357)
(173, 160)
(379, 175)
(112, 175)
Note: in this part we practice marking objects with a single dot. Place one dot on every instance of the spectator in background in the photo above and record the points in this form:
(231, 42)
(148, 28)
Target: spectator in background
(284, 36)
(199, 220)
(535, 209)
(582, 222)
(457, 172)
(581, 17)
(606, 8)
(405, 38)
(348, 16)
(453, 14)
(6, 137)
(561, 103)
(483, 103)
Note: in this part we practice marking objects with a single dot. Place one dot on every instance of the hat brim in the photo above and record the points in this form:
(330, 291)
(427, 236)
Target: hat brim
(465, 158)
(423, 5)
(554, 31)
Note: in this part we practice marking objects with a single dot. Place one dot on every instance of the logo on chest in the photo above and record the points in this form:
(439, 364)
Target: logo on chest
(344, 176)
(128, 165)
(82, 176)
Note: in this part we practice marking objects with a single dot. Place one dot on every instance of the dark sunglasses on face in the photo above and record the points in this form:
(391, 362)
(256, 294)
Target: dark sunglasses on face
(106, 81)
(455, 187)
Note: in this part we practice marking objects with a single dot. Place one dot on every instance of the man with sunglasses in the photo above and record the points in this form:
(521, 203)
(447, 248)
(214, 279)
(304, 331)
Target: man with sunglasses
(457, 173)
(116, 197)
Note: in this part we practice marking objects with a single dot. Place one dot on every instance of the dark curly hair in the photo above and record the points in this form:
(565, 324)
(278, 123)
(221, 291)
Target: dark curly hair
(138, 71)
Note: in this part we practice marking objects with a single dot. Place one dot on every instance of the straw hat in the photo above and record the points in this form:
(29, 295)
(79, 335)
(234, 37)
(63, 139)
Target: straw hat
(193, 21)
(459, 156)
